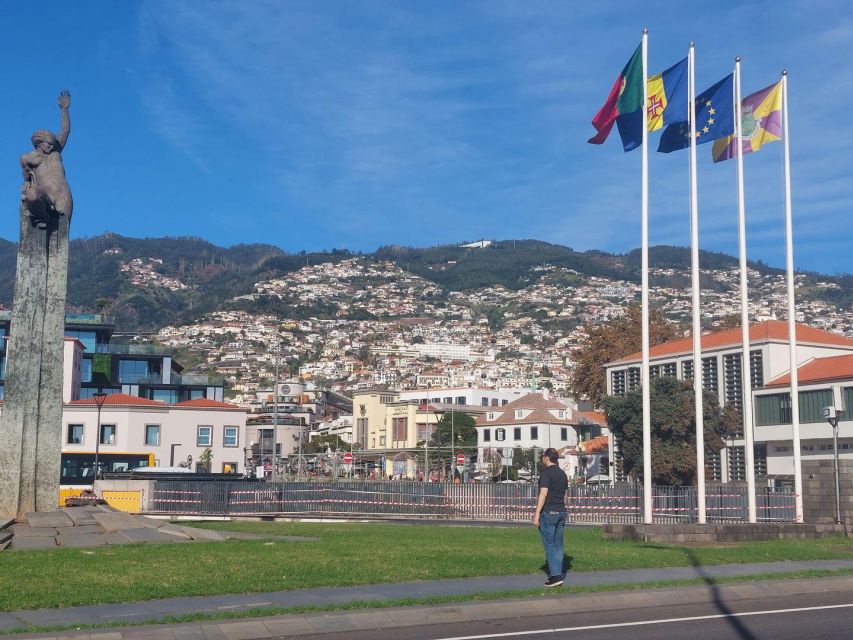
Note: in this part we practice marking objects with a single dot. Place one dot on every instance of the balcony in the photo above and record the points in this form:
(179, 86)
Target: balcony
(129, 349)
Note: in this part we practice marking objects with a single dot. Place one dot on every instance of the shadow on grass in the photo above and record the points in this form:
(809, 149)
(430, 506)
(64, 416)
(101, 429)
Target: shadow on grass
(737, 625)
(567, 564)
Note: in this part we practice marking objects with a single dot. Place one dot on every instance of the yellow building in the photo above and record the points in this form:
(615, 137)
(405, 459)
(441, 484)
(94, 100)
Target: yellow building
(388, 429)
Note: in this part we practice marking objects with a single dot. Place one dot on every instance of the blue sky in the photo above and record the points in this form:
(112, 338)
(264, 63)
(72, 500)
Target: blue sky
(314, 125)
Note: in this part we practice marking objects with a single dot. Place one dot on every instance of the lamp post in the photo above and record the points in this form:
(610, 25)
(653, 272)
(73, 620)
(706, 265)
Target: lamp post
(831, 416)
(273, 475)
(172, 453)
(99, 397)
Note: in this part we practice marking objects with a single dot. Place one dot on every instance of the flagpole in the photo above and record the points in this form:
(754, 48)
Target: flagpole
(746, 365)
(647, 414)
(694, 267)
(792, 319)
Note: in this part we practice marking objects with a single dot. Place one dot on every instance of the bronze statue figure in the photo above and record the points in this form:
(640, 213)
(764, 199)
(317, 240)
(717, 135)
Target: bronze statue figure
(45, 189)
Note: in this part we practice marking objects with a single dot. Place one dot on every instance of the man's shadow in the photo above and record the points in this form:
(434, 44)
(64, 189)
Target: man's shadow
(567, 565)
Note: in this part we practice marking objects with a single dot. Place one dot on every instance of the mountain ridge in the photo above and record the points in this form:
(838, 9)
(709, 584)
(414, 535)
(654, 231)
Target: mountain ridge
(150, 282)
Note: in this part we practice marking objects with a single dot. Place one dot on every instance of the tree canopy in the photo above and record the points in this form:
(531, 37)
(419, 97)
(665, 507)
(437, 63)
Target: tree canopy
(611, 341)
(673, 429)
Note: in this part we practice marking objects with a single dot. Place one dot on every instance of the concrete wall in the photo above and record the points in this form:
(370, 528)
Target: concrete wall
(819, 491)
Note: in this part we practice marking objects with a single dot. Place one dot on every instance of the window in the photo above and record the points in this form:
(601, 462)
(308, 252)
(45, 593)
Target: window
(484, 402)
(108, 434)
(460, 399)
(812, 404)
(88, 338)
(491, 416)
(132, 371)
(152, 435)
(229, 467)
(617, 382)
(534, 433)
(562, 414)
(709, 374)
(169, 396)
(500, 435)
(381, 441)
(230, 436)
(519, 413)
(75, 434)
(516, 433)
(687, 370)
(86, 370)
(633, 378)
(204, 436)
(669, 370)
(399, 428)
(88, 392)
(448, 401)
(564, 433)
(504, 402)
(487, 435)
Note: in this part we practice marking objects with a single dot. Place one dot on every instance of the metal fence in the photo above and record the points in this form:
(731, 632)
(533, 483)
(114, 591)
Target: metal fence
(619, 503)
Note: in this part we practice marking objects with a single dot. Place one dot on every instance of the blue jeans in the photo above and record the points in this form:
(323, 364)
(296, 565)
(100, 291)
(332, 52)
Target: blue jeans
(551, 527)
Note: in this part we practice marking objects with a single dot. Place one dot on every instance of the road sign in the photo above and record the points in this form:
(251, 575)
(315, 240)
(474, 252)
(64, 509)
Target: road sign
(460, 458)
(507, 452)
(347, 457)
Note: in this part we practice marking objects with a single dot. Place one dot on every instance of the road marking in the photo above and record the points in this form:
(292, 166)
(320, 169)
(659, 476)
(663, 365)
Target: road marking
(615, 625)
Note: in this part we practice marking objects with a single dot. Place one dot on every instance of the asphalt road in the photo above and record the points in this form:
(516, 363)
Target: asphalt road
(814, 616)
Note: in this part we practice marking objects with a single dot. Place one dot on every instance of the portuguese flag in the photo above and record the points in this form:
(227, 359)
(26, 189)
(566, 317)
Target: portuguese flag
(626, 97)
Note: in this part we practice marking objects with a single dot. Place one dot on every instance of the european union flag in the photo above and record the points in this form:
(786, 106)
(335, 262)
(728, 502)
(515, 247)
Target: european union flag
(714, 118)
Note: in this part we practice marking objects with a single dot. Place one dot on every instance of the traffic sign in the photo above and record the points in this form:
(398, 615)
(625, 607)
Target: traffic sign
(347, 457)
(460, 458)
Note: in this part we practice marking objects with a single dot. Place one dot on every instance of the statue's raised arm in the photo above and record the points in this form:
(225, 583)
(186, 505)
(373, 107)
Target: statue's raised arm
(45, 191)
(64, 102)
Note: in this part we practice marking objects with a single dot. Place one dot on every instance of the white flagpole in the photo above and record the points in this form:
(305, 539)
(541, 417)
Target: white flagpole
(746, 368)
(647, 413)
(792, 324)
(694, 267)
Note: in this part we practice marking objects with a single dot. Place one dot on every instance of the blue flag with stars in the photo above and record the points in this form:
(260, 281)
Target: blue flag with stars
(714, 118)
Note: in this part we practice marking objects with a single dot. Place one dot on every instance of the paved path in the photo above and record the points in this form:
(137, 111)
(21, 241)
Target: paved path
(154, 610)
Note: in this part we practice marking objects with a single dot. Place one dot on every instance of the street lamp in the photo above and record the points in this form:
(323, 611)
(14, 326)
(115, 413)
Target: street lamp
(830, 414)
(172, 453)
(99, 397)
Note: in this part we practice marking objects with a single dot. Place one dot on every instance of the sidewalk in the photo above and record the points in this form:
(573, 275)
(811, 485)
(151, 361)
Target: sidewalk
(156, 610)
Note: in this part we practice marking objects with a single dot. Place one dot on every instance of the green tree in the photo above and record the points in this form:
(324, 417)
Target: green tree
(607, 342)
(321, 444)
(205, 460)
(673, 429)
(464, 437)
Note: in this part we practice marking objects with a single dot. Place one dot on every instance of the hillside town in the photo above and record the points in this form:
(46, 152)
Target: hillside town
(396, 330)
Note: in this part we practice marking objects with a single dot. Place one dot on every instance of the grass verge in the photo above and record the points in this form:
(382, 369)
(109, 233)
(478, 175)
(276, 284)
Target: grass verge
(263, 612)
(346, 554)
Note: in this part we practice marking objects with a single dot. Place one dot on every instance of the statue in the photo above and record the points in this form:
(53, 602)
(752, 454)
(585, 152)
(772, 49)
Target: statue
(45, 189)
(31, 422)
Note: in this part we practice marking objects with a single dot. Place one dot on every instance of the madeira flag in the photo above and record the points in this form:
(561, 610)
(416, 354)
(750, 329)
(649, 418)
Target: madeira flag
(667, 96)
(666, 103)
(714, 118)
(626, 97)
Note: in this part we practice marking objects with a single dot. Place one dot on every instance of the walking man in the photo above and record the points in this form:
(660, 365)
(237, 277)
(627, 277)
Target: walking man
(550, 514)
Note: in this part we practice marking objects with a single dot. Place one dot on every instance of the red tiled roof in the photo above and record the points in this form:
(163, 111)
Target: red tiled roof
(121, 400)
(770, 330)
(596, 445)
(532, 401)
(818, 370)
(596, 417)
(204, 403)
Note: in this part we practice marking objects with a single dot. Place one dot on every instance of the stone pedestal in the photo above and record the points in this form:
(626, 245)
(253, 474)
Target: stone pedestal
(31, 423)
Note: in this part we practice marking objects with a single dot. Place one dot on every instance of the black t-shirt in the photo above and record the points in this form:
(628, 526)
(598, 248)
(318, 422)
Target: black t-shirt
(555, 480)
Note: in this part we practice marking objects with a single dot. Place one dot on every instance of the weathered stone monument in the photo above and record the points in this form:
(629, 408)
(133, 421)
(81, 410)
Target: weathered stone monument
(31, 423)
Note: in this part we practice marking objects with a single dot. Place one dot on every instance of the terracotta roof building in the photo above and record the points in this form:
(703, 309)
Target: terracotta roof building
(769, 364)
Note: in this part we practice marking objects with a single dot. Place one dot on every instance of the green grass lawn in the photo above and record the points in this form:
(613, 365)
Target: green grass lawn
(347, 554)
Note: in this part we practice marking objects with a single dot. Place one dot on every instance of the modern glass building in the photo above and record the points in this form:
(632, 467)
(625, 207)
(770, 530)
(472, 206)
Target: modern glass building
(137, 369)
